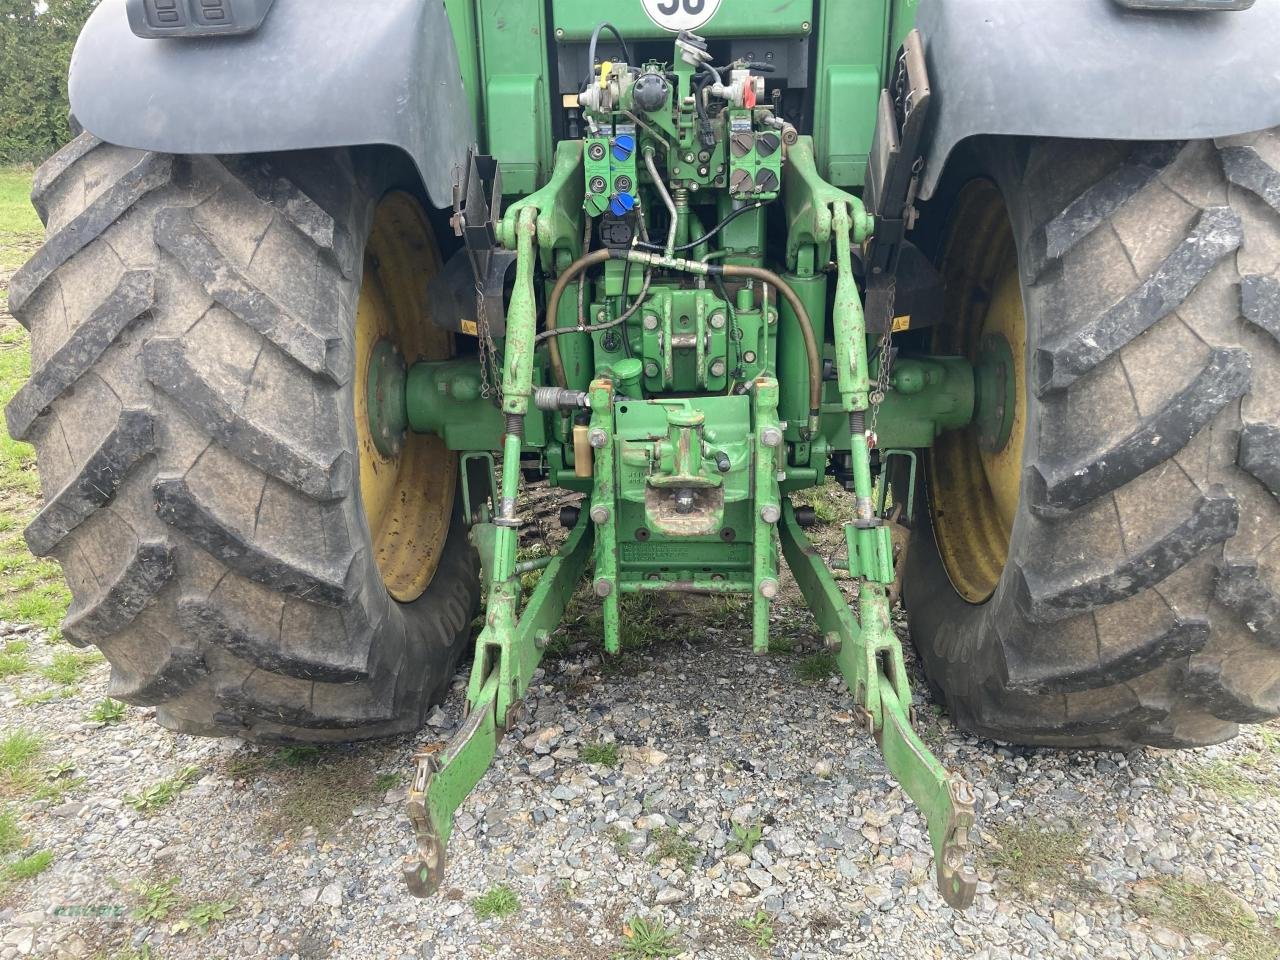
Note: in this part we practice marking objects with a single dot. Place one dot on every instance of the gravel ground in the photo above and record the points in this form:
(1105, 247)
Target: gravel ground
(1149, 854)
(735, 807)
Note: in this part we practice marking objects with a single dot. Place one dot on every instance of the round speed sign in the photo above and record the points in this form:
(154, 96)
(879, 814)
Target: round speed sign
(677, 15)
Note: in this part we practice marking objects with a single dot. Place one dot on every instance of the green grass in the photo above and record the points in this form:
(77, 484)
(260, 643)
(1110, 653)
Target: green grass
(781, 646)
(499, 902)
(605, 754)
(1035, 859)
(107, 712)
(647, 939)
(299, 755)
(164, 792)
(618, 838)
(637, 622)
(19, 750)
(758, 929)
(313, 787)
(1192, 908)
(20, 227)
(157, 900)
(29, 867)
(31, 590)
(668, 844)
(816, 667)
(387, 781)
(1224, 778)
(68, 668)
(728, 606)
(201, 916)
(824, 499)
(14, 661)
(11, 838)
(745, 837)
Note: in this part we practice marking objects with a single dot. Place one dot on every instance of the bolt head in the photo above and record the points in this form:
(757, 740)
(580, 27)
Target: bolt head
(771, 436)
(749, 357)
(650, 321)
(770, 513)
(717, 321)
(651, 369)
(603, 587)
(768, 588)
(597, 438)
(600, 514)
(717, 368)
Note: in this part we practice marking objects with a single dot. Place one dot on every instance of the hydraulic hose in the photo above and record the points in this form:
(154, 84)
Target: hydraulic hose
(704, 269)
(666, 198)
(553, 304)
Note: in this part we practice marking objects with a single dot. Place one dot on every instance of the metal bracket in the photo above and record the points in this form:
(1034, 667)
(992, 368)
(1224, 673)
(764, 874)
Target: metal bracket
(893, 166)
(908, 508)
(870, 659)
(477, 469)
(477, 207)
(507, 652)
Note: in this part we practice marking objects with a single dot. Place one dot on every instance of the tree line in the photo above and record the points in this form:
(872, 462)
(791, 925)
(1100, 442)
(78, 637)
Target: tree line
(36, 39)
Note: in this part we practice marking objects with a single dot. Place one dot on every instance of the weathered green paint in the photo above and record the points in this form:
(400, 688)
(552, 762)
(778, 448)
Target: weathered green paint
(462, 22)
(502, 53)
(444, 398)
(698, 412)
(850, 54)
(870, 659)
(852, 376)
(604, 497)
(902, 19)
(507, 652)
(810, 202)
(946, 800)
(558, 205)
(517, 92)
(767, 509)
(522, 320)
(929, 395)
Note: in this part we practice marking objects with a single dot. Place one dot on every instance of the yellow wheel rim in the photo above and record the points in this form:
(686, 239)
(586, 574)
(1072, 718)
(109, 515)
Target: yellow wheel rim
(408, 496)
(974, 488)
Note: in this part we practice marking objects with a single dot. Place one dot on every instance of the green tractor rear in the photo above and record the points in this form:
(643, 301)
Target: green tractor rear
(324, 282)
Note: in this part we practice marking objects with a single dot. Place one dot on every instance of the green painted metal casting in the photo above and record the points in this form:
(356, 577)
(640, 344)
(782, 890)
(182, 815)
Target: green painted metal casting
(695, 396)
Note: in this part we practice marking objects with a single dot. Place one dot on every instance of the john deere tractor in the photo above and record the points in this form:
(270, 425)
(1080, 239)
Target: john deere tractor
(325, 279)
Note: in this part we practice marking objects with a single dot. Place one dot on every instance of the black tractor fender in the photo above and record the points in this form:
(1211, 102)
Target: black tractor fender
(1094, 69)
(335, 73)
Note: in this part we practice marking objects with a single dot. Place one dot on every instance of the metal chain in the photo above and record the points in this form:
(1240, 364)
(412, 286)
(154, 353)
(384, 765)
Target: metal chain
(490, 376)
(886, 357)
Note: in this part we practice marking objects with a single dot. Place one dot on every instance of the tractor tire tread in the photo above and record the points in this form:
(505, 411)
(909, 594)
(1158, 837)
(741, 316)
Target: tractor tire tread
(95, 485)
(1141, 601)
(192, 422)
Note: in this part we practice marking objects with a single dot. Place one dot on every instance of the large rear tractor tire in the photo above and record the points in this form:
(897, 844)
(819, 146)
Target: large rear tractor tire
(235, 543)
(1108, 573)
